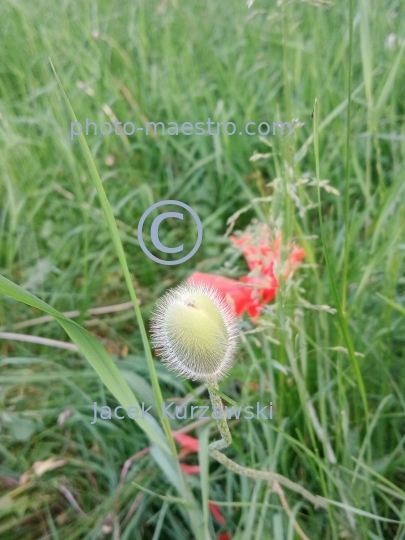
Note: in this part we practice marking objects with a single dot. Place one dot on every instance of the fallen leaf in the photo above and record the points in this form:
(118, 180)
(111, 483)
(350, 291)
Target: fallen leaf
(41, 467)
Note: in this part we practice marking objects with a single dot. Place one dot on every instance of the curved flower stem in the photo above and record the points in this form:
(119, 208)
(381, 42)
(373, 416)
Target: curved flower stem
(226, 439)
(269, 476)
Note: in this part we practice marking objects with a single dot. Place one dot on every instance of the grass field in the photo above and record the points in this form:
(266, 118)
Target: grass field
(328, 352)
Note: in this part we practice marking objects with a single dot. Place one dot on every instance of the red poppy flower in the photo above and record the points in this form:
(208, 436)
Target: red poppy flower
(250, 293)
(190, 469)
(191, 444)
(187, 443)
(216, 512)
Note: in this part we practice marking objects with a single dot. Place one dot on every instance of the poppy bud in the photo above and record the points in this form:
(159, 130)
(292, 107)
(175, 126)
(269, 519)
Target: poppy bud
(195, 331)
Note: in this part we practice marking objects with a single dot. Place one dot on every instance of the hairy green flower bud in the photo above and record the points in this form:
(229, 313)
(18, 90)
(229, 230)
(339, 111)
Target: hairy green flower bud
(195, 332)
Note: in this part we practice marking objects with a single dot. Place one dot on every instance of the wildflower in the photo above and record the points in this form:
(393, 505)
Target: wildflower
(216, 512)
(239, 294)
(190, 469)
(191, 444)
(195, 332)
(188, 444)
(250, 293)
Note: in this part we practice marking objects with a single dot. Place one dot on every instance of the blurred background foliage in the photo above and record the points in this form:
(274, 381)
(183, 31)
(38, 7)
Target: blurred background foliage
(173, 61)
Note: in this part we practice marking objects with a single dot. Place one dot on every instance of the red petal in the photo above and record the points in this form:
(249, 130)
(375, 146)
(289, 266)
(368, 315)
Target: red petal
(224, 536)
(239, 297)
(263, 288)
(216, 512)
(251, 253)
(191, 443)
(298, 254)
(222, 284)
(261, 252)
(254, 313)
(190, 469)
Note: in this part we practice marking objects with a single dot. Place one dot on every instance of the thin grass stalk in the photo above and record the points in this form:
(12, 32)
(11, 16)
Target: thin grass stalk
(342, 318)
(112, 226)
(348, 156)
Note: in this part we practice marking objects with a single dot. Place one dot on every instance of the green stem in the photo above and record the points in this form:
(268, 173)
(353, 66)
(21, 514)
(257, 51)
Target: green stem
(226, 439)
(347, 171)
(269, 476)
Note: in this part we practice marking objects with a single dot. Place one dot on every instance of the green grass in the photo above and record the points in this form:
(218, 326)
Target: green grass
(177, 61)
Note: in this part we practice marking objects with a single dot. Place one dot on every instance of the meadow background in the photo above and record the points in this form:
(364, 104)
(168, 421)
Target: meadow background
(189, 61)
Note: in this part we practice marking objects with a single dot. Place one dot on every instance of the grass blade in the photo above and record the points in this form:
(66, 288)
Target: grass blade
(347, 171)
(342, 318)
(109, 216)
(95, 354)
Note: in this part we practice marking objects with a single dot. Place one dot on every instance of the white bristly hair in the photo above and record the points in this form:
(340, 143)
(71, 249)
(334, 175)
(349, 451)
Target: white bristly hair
(195, 332)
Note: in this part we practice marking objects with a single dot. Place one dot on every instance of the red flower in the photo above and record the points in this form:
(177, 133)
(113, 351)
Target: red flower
(191, 444)
(190, 469)
(239, 295)
(250, 293)
(188, 444)
(216, 512)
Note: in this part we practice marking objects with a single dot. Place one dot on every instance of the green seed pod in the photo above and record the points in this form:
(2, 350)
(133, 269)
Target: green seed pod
(195, 332)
